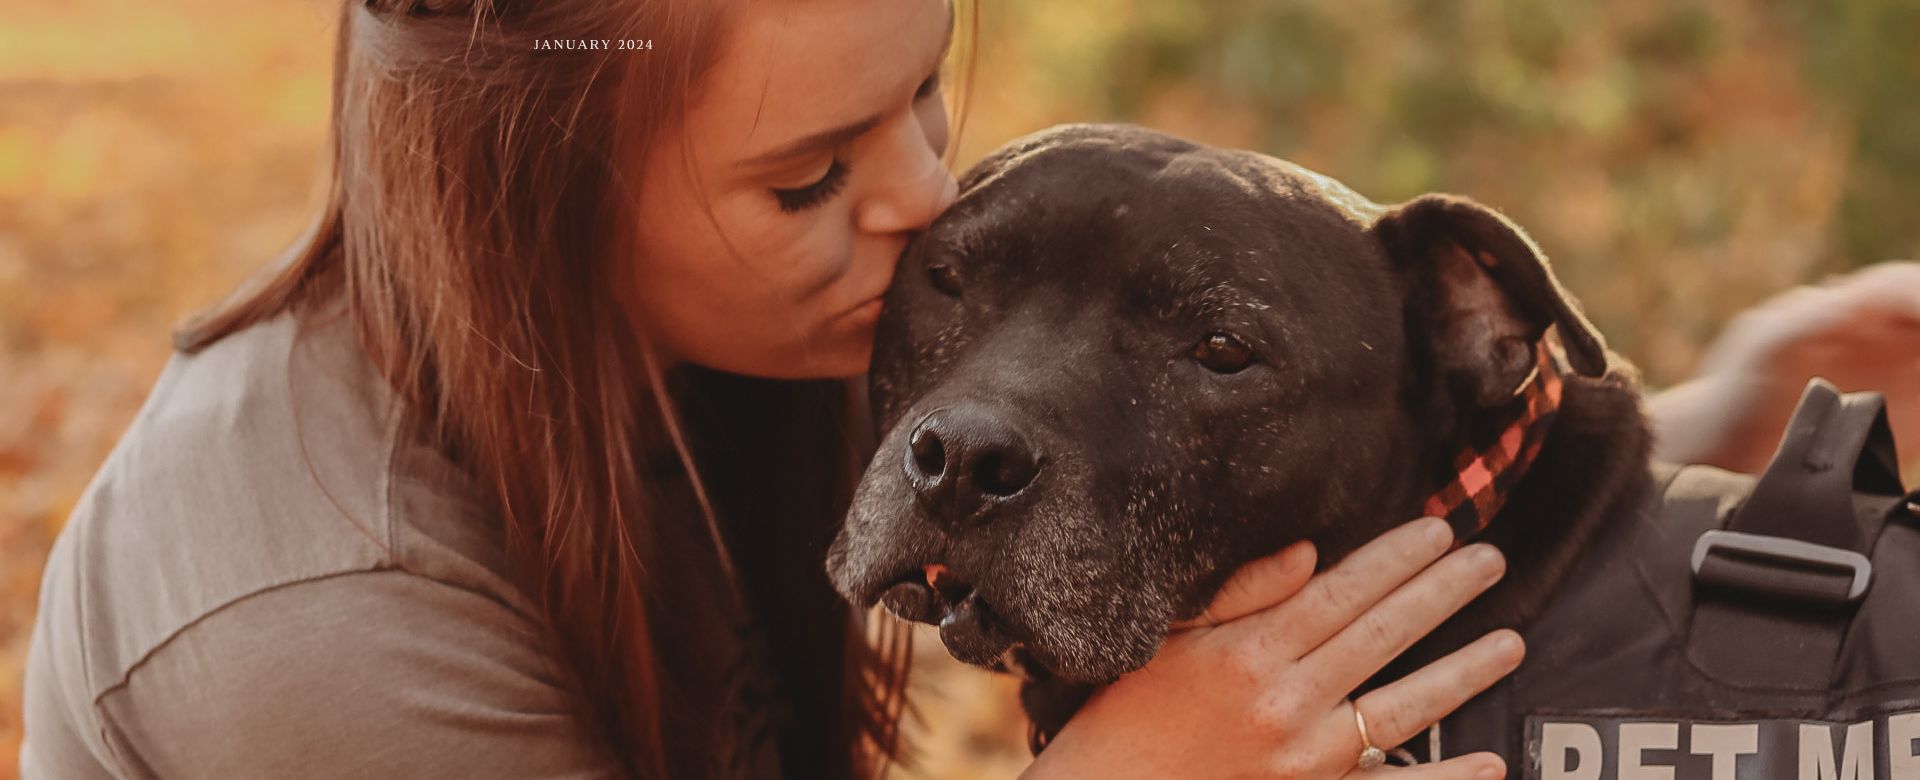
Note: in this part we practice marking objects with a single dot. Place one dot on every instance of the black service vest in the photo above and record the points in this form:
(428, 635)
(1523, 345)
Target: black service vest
(1759, 629)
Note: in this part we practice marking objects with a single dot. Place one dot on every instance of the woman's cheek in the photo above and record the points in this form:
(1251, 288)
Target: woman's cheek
(823, 252)
(763, 237)
(799, 257)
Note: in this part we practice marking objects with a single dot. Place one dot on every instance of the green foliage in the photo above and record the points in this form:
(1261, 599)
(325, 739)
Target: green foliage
(1678, 161)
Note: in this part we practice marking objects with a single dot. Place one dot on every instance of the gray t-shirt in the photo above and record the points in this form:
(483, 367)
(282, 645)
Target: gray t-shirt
(247, 592)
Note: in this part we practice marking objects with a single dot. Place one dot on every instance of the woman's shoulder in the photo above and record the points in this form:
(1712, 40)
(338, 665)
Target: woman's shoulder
(272, 457)
(272, 535)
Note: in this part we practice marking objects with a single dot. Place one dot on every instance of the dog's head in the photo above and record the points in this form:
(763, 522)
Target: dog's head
(1123, 364)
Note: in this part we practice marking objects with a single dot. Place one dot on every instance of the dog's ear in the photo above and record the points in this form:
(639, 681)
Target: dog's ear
(1484, 291)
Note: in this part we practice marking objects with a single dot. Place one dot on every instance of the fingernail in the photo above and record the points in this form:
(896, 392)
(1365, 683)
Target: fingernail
(1439, 533)
(1492, 772)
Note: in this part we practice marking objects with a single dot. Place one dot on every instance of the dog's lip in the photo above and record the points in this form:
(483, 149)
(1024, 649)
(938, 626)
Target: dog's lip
(927, 594)
(975, 633)
(911, 600)
(932, 594)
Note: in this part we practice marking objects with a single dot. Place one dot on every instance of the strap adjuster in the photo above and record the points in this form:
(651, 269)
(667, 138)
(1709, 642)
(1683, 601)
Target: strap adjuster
(1791, 554)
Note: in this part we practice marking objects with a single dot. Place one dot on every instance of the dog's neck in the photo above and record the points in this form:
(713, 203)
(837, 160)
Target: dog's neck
(1591, 468)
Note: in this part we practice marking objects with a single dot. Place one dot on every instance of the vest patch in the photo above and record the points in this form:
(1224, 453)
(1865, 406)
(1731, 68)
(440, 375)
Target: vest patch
(1629, 747)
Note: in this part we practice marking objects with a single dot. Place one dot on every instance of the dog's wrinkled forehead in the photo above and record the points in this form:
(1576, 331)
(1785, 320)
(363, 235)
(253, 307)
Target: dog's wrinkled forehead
(1079, 172)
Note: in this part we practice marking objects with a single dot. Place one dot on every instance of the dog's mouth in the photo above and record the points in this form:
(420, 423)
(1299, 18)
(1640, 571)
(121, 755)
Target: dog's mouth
(971, 629)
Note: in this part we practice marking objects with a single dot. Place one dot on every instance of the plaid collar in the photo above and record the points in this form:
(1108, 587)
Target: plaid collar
(1499, 451)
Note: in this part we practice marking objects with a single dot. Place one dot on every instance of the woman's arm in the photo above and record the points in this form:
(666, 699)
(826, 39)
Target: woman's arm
(371, 674)
(1860, 331)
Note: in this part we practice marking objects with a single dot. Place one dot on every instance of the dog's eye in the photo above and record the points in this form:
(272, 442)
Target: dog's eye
(1223, 353)
(944, 279)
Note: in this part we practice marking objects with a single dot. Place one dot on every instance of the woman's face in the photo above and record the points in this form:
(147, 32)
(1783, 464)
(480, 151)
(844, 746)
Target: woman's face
(815, 139)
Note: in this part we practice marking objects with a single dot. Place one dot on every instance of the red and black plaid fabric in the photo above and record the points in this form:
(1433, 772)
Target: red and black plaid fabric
(1499, 452)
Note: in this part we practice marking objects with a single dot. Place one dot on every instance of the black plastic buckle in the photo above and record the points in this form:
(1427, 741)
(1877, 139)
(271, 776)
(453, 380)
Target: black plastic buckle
(1791, 554)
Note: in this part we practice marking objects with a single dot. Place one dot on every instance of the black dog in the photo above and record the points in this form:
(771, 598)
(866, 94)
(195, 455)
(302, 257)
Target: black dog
(1123, 364)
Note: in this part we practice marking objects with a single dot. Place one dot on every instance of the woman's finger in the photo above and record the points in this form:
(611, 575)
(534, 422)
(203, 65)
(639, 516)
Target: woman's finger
(1338, 735)
(1258, 585)
(1399, 711)
(1338, 595)
(1890, 286)
(1390, 627)
(1472, 766)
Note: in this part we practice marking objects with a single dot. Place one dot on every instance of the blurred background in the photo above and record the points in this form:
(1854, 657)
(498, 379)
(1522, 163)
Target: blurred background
(1678, 161)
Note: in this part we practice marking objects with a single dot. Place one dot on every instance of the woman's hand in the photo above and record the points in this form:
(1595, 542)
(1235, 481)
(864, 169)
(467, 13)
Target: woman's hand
(1257, 688)
(1860, 331)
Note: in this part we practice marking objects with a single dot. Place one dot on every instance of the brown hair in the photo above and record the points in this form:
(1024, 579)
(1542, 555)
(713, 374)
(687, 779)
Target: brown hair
(473, 225)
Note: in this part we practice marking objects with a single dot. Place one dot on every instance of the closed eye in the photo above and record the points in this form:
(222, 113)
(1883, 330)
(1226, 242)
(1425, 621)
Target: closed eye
(803, 198)
(796, 199)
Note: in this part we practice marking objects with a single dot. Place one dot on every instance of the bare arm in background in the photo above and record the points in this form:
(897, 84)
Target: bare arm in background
(1860, 331)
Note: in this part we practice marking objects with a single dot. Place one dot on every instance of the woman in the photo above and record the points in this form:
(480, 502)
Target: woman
(524, 464)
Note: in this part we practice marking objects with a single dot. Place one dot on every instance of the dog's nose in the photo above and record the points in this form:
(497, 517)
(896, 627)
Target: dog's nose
(962, 459)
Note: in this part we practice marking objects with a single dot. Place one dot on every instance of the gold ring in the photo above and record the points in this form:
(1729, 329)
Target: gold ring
(1371, 756)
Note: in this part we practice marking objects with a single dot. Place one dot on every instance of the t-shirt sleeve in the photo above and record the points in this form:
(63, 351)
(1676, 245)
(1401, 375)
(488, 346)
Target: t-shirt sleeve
(370, 674)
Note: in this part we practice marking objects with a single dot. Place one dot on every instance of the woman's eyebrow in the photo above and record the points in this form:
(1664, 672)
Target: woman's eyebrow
(836, 136)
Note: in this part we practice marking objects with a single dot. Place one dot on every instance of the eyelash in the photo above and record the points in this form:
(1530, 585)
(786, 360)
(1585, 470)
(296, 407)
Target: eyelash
(799, 199)
(803, 198)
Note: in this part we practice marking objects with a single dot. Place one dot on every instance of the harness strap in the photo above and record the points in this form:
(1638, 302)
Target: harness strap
(1778, 586)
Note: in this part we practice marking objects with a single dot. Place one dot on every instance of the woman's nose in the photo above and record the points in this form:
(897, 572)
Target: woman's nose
(911, 199)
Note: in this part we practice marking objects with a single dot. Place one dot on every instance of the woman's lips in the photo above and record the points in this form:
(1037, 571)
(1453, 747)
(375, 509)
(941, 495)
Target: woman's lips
(865, 311)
